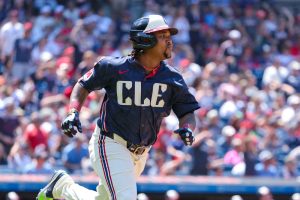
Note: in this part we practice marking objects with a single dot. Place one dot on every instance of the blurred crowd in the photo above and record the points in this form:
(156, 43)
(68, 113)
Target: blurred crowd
(241, 59)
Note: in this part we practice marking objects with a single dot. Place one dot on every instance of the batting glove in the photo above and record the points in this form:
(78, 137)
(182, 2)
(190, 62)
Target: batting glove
(70, 122)
(186, 135)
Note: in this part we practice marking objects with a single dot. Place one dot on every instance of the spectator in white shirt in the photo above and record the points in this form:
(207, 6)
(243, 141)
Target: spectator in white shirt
(9, 33)
(275, 72)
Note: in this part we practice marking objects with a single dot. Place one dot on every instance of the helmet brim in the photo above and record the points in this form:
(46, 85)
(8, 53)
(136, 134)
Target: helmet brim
(173, 31)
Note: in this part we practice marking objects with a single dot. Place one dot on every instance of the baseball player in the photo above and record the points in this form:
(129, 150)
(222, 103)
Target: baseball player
(141, 89)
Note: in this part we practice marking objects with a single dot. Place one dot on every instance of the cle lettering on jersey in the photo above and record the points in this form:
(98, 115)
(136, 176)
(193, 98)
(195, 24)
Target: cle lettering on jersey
(157, 90)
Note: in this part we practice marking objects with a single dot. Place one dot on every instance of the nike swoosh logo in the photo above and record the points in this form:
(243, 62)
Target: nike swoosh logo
(123, 71)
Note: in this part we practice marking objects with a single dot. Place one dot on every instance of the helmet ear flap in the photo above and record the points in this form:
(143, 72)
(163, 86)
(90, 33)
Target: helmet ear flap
(142, 40)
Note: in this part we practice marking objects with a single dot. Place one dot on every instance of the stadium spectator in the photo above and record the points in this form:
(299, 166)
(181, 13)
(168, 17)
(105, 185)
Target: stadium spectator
(180, 22)
(267, 165)
(236, 197)
(9, 121)
(172, 195)
(250, 155)
(194, 18)
(275, 73)
(88, 60)
(175, 151)
(224, 141)
(293, 80)
(3, 155)
(236, 154)
(199, 153)
(289, 170)
(40, 163)
(22, 66)
(74, 153)
(264, 193)
(12, 196)
(232, 50)
(9, 33)
(71, 11)
(43, 24)
(19, 157)
(33, 135)
(295, 196)
(155, 163)
(84, 36)
(213, 124)
(142, 196)
(163, 138)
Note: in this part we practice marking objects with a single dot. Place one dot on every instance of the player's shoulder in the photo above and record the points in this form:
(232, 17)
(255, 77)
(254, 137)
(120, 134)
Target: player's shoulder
(170, 69)
(112, 61)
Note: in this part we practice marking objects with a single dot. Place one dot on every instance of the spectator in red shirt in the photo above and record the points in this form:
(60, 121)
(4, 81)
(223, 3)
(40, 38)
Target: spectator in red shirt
(33, 134)
(163, 137)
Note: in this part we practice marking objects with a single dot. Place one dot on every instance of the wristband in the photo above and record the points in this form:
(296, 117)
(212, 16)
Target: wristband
(74, 105)
(73, 110)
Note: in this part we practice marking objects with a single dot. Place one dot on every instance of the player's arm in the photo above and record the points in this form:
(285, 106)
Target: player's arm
(188, 121)
(96, 78)
(72, 121)
(78, 97)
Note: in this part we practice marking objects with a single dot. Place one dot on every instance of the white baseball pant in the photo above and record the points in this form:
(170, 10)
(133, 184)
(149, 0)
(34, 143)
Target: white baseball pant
(116, 166)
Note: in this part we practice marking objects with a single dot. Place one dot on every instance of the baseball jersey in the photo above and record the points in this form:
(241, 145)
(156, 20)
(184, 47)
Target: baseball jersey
(136, 102)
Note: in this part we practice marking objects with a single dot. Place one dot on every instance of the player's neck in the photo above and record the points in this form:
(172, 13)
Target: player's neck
(148, 62)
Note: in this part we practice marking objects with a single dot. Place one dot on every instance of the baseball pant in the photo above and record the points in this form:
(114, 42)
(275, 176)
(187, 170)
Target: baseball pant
(116, 166)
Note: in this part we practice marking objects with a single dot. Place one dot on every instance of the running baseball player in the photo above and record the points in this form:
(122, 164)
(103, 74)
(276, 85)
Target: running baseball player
(141, 89)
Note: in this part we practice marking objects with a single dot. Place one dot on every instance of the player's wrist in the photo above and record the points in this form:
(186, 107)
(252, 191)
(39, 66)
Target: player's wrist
(75, 106)
(73, 110)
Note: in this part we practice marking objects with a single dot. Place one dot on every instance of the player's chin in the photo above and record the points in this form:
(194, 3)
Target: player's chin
(168, 53)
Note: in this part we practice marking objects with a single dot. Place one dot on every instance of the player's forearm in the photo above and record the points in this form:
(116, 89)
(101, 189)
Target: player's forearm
(78, 97)
(188, 121)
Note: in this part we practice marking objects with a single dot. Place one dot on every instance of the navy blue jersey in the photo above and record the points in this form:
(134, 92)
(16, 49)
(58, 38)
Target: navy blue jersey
(135, 103)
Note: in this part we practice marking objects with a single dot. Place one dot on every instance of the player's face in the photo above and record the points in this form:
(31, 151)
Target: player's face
(164, 44)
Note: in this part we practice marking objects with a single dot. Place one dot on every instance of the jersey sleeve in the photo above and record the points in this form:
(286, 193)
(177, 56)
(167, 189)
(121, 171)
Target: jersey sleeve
(98, 77)
(183, 102)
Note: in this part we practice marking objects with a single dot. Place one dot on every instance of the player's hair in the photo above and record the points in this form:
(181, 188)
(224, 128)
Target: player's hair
(136, 52)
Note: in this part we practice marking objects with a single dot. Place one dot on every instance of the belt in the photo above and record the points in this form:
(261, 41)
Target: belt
(133, 148)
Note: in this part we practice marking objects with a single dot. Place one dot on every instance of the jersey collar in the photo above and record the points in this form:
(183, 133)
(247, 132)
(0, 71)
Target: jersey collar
(152, 73)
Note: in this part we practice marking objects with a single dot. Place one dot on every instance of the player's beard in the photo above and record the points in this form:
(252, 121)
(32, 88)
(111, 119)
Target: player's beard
(167, 54)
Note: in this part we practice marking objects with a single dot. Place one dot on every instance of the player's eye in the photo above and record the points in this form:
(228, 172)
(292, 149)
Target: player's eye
(164, 36)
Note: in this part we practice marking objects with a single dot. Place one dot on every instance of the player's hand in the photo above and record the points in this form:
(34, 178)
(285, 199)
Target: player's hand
(186, 135)
(70, 122)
